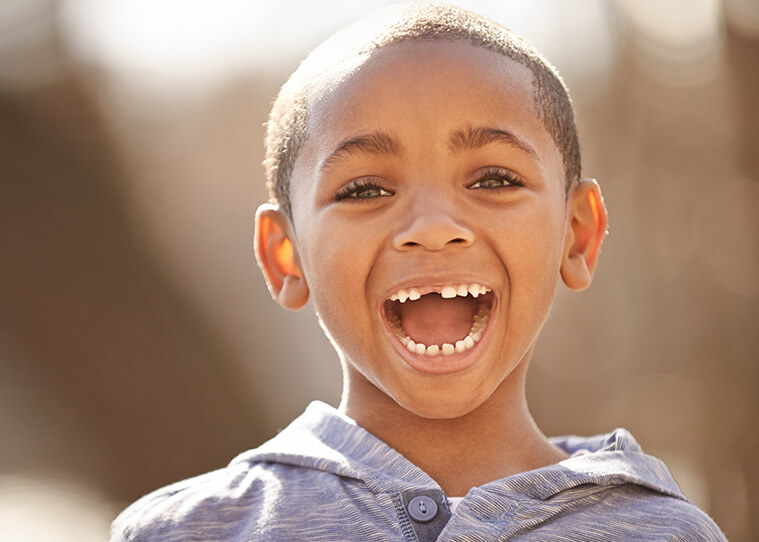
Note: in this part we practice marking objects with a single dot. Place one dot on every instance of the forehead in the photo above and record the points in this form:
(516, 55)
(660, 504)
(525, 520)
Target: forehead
(419, 70)
(423, 90)
(418, 66)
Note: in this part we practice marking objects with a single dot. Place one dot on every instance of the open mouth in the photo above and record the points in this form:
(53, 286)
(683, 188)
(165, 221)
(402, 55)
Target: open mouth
(439, 321)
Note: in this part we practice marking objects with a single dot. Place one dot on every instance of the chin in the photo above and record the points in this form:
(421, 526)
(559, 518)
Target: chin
(440, 405)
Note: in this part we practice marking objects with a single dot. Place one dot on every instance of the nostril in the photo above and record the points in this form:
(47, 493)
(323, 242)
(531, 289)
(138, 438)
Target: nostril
(455, 241)
(433, 231)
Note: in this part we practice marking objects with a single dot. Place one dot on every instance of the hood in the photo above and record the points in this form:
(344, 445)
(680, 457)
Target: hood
(326, 440)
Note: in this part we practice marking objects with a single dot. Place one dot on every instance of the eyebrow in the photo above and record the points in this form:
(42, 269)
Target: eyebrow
(374, 143)
(477, 137)
(470, 138)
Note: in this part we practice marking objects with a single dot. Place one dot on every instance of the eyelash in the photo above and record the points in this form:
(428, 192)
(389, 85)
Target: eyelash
(509, 179)
(358, 189)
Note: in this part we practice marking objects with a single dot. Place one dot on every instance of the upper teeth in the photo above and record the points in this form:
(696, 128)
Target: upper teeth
(447, 292)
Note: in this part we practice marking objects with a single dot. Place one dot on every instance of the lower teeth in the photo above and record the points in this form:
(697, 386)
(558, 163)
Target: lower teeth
(445, 349)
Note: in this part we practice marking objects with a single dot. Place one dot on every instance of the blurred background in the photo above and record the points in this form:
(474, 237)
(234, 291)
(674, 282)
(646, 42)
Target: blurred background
(138, 342)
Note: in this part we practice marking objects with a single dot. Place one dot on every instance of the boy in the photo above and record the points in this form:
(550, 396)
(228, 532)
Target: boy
(426, 195)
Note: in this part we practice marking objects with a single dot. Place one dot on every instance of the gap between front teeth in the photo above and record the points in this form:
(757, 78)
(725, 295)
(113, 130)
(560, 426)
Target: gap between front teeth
(446, 349)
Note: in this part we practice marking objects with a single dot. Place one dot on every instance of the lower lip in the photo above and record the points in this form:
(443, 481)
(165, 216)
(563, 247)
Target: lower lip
(441, 364)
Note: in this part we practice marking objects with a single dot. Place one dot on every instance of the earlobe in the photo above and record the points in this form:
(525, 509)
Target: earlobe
(586, 229)
(278, 259)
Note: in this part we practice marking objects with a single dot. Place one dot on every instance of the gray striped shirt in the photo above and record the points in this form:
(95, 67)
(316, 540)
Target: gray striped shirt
(326, 478)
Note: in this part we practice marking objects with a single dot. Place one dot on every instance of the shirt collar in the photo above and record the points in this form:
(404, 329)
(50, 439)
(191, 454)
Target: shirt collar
(324, 439)
(615, 458)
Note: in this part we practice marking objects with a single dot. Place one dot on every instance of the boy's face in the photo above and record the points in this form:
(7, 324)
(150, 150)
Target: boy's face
(427, 170)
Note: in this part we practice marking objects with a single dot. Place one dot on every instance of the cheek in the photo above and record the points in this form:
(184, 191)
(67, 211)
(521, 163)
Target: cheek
(535, 259)
(336, 263)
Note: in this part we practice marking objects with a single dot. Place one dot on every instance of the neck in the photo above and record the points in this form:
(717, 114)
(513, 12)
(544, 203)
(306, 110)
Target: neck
(497, 439)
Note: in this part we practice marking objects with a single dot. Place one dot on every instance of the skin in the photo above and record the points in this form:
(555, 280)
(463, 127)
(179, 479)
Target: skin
(434, 214)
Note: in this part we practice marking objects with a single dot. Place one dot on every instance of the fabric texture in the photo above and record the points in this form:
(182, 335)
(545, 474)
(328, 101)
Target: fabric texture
(326, 478)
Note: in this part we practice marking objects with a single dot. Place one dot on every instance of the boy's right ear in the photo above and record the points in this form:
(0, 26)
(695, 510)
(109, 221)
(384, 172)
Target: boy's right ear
(278, 258)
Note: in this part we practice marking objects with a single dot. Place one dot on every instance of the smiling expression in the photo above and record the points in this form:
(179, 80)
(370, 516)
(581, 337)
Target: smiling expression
(430, 221)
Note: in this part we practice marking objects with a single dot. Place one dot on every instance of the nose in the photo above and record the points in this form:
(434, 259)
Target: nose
(432, 228)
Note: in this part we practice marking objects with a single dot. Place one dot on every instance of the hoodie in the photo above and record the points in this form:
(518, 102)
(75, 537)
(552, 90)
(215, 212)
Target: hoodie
(326, 478)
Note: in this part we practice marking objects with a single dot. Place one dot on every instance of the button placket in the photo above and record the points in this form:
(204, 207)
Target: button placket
(424, 512)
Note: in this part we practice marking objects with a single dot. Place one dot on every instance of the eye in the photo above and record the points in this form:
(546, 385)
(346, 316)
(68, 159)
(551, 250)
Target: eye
(362, 189)
(494, 178)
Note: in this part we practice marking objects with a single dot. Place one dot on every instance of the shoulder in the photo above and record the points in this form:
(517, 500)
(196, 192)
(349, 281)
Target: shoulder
(220, 504)
(252, 500)
(173, 512)
(257, 492)
(634, 512)
(634, 494)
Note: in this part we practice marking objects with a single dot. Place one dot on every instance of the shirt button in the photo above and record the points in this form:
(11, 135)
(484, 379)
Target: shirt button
(422, 508)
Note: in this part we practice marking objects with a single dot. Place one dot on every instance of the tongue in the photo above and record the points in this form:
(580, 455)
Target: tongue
(434, 320)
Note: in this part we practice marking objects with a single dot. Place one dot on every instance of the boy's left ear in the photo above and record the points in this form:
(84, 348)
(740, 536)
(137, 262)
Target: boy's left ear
(586, 230)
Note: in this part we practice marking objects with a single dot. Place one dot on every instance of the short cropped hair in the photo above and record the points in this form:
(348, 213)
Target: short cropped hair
(287, 128)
